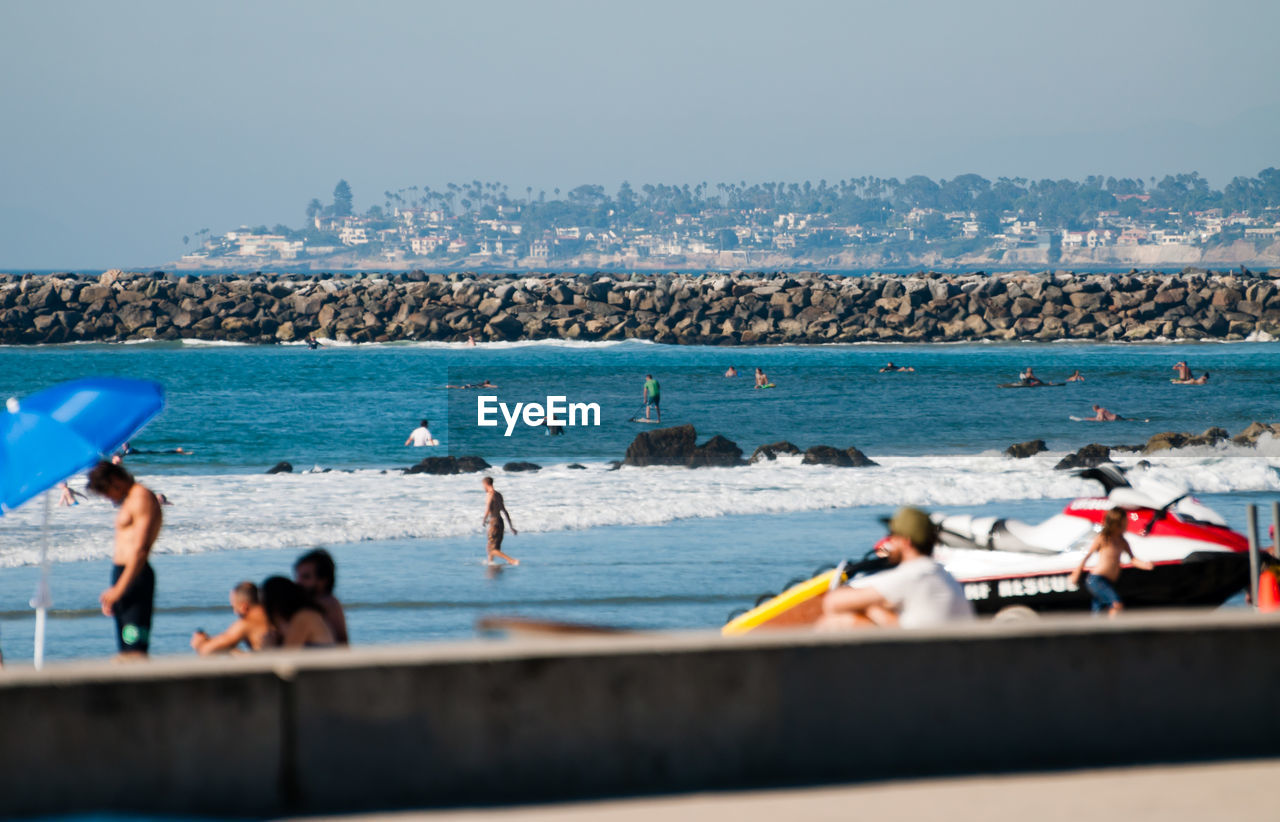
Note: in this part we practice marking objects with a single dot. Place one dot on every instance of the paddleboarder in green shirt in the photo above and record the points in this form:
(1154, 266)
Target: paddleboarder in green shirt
(652, 392)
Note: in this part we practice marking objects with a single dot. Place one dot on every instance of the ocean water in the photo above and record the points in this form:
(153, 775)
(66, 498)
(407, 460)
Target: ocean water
(645, 548)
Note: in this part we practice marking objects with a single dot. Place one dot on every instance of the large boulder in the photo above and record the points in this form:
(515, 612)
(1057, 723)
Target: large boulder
(1090, 456)
(827, 455)
(1022, 450)
(772, 450)
(448, 465)
(663, 446)
(716, 452)
(1249, 436)
(859, 459)
(522, 466)
(1165, 440)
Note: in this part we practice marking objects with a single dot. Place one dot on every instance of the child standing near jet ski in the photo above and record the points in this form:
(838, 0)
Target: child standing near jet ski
(1110, 546)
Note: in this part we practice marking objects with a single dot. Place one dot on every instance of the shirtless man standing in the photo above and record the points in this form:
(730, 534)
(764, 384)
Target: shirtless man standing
(494, 509)
(133, 583)
(251, 626)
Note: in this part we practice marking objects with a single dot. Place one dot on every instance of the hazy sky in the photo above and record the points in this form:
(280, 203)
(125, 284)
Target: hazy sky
(128, 124)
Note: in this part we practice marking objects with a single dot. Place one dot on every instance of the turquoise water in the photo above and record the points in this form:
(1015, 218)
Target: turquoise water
(642, 548)
(244, 408)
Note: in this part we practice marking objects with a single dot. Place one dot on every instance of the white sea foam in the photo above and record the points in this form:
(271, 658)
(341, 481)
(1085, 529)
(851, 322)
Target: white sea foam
(228, 512)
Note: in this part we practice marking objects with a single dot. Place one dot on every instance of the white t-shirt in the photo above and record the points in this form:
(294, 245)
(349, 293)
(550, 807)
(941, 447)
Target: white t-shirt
(421, 436)
(921, 592)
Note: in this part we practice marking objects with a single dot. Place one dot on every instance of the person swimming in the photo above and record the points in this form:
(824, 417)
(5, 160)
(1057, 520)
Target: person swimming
(1076, 376)
(485, 384)
(732, 372)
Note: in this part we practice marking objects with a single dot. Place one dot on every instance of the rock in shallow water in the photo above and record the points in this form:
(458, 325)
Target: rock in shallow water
(1022, 450)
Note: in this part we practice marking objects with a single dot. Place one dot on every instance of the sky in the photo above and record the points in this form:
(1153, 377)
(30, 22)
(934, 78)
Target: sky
(124, 126)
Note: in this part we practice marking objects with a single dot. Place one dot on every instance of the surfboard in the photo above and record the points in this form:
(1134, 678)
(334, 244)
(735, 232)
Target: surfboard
(1029, 385)
(1121, 419)
(767, 385)
(801, 604)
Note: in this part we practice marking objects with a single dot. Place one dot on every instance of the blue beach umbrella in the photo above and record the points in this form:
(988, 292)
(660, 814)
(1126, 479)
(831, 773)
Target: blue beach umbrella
(60, 431)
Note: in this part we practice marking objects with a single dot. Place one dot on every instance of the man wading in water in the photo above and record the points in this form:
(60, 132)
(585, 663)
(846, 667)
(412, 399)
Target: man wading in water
(494, 509)
(133, 588)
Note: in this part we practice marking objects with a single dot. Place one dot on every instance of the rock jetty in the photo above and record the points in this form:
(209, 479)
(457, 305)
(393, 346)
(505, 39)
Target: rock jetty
(707, 309)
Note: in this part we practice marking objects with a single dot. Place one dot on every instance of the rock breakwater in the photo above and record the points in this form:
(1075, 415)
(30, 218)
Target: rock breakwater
(706, 309)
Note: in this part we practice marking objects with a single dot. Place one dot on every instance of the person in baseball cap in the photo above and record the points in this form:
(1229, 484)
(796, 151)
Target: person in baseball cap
(915, 592)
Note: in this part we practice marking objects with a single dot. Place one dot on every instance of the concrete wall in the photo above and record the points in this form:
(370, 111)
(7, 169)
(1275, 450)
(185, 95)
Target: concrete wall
(519, 721)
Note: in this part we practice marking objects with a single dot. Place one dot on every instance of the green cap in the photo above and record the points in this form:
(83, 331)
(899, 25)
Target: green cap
(915, 525)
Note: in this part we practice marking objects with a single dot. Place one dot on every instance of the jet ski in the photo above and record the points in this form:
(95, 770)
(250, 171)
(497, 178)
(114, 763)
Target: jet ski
(1199, 560)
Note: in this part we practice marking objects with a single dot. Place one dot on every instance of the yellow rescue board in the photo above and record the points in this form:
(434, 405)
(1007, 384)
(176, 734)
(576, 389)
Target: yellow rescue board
(799, 605)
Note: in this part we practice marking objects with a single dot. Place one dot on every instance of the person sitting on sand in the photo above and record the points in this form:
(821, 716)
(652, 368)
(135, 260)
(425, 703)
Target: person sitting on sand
(296, 618)
(317, 573)
(1103, 415)
(1076, 376)
(732, 372)
(1110, 546)
(251, 626)
(891, 367)
(1028, 377)
(1184, 371)
(762, 380)
(68, 495)
(916, 592)
(420, 437)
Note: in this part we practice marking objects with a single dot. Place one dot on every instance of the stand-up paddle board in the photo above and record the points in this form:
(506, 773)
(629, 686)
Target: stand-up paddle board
(643, 421)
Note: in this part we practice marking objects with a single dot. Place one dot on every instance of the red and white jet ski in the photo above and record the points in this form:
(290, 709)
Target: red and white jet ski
(1002, 562)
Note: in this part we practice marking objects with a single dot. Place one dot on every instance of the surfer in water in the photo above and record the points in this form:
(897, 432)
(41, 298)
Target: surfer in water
(652, 395)
(313, 343)
(1184, 371)
(421, 436)
(1076, 376)
(1201, 380)
(1028, 377)
(762, 379)
(485, 384)
(732, 372)
(888, 367)
(1101, 414)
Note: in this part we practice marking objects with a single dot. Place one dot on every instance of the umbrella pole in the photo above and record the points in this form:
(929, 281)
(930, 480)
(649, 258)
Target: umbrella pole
(41, 600)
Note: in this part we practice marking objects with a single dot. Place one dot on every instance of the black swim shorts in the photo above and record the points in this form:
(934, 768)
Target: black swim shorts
(133, 610)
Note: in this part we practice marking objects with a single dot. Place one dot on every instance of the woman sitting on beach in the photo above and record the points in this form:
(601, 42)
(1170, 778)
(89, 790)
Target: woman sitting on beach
(296, 618)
